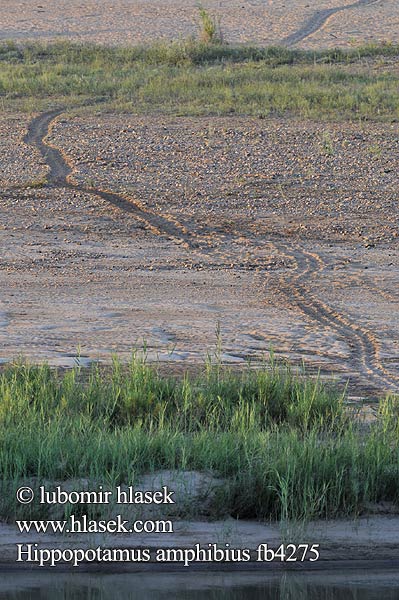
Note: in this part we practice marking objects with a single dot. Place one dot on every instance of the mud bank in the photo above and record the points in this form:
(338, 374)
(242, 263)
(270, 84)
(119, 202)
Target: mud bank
(370, 540)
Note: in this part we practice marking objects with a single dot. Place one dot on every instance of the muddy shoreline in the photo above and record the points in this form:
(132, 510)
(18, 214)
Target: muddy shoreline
(344, 544)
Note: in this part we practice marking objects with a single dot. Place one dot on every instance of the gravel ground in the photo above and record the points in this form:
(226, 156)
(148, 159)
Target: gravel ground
(322, 178)
(254, 21)
(286, 235)
(19, 164)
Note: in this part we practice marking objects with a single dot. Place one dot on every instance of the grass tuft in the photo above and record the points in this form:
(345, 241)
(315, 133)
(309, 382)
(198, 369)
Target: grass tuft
(210, 27)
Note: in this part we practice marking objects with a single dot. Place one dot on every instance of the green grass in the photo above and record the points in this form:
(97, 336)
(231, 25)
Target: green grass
(283, 442)
(194, 78)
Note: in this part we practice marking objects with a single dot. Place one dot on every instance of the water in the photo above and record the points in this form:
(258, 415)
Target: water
(361, 585)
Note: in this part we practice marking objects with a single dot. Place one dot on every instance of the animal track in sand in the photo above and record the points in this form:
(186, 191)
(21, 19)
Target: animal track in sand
(319, 19)
(59, 176)
(364, 344)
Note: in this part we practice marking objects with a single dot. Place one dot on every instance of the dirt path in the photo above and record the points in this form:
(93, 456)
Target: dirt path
(319, 19)
(365, 352)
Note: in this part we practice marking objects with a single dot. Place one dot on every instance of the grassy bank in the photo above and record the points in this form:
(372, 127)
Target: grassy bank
(194, 78)
(283, 443)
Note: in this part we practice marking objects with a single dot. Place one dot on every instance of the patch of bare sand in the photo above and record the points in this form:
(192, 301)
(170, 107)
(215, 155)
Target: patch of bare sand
(373, 24)
(135, 21)
(76, 272)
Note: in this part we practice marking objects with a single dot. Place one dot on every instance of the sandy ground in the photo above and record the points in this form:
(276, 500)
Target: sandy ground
(377, 23)
(283, 232)
(326, 23)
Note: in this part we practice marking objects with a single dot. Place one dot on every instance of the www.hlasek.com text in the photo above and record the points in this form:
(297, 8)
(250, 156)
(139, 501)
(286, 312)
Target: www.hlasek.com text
(84, 524)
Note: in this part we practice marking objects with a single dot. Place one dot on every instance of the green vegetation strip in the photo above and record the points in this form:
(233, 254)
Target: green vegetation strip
(193, 78)
(283, 443)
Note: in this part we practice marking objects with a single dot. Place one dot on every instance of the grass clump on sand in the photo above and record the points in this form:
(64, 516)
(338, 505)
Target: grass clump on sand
(200, 78)
(282, 442)
(210, 27)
